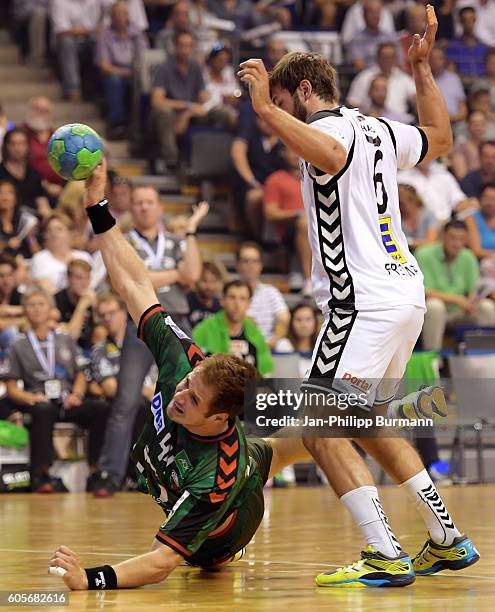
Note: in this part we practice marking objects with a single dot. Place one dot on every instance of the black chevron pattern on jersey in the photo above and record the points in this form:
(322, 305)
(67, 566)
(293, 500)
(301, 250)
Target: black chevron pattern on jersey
(332, 343)
(429, 495)
(331, 239)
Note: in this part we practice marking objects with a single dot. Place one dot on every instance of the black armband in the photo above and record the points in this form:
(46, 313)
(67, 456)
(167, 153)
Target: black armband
(101, 578)
(100, 217)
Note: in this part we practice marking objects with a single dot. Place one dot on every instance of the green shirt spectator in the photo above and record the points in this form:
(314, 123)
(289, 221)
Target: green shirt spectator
(459, 276)
(230, 331)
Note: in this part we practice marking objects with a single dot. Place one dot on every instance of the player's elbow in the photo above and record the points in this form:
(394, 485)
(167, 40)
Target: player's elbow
(334, 160)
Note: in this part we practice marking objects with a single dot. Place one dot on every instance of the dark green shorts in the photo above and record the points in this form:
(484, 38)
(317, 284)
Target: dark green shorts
(217, 549)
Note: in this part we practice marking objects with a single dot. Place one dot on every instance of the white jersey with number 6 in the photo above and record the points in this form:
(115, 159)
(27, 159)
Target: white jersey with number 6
(361, 260)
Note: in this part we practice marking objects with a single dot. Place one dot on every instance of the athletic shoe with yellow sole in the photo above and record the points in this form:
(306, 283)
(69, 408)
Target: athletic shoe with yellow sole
(373, 570)
(434, 558)
(429, 403)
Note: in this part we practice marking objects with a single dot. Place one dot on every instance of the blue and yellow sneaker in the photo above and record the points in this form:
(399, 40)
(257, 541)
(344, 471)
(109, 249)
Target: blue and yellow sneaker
(434, 558)
(373, 570)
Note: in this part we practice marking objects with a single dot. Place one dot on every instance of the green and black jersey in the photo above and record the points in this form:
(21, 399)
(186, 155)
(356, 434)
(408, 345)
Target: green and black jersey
(198, 481)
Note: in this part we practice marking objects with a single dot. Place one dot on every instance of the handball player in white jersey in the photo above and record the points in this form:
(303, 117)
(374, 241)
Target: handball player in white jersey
(367, 284)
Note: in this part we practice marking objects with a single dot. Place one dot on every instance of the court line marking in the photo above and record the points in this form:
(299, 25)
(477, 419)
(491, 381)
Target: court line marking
(257, 561)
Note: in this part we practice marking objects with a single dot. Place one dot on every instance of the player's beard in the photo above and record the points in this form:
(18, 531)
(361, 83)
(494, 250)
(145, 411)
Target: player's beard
(300, 111)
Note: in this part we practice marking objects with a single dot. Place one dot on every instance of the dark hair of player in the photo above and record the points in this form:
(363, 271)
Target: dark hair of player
(299, 66)
(228, 375)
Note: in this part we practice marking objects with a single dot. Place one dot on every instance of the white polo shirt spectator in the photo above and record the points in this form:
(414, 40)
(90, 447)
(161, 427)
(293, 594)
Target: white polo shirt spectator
(436, 186)
(266, 304)
(401, 89)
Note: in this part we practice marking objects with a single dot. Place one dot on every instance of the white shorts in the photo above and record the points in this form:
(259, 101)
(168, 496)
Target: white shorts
(365, 351)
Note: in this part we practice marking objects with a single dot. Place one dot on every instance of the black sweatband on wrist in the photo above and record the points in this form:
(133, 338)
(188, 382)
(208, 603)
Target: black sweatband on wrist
(101, 578)
(100, 217)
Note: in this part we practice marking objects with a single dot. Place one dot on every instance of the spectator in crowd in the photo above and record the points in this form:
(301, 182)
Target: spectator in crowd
(18, 227)
(451, 274)
(15, 168)
(243, 13)
(326, 16)
(119, 201)
(5, 126)
(105, 355)
(168, 265)
(419, 224)
(178, 98)
(472, 183)
(354, 22)
(401, 91)
(31, 19)
(75, 303)
(285, 208)
(485, 22)
(274, 51)
(49, 365)
(481, 226)
(415, 24)
(136, 11)
(118, 46)
(301, 335)
(479, 101)
(256, 153)
(11, 310)
(203, 301)
(467, 51)
(39, 128)
(49, 266)
(438, 189)
(267, 308)
(220, 82)
(376, 105)
(75, 25)
(488, 81)
(449, 84)
(230, 331)
(178, 21)
(466, 154)
(361, 50)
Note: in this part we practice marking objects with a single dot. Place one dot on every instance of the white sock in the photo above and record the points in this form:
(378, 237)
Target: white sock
(366, 509)
(432, 509)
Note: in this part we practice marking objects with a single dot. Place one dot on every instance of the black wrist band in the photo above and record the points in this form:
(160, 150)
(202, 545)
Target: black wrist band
(190, 234)
(101, 578)
(100, 217)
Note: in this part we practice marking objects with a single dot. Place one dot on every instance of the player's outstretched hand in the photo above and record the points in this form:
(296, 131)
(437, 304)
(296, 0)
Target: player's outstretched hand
(420, 49)
(75, 576)
(199, 213)
(253, 72)
(96, 184)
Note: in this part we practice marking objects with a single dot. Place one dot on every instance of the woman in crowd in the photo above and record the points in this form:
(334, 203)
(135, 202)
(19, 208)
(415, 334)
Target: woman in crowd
(49, 266)
(466, 154)
(17, 226)
(302, 334)
(418, 223)
(481, 226)
(221, 83)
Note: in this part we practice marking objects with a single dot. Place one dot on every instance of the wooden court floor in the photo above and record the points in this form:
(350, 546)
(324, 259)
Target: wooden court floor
(305, 530)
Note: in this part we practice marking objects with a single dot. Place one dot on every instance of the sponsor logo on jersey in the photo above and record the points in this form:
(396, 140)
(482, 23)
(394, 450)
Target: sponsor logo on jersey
(389, 241)
(355, 381)
(157, 410)
(175, 479)
(175, 328)
(182, 462)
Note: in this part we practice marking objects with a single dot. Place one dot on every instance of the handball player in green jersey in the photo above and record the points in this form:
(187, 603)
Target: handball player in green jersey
(192, 455)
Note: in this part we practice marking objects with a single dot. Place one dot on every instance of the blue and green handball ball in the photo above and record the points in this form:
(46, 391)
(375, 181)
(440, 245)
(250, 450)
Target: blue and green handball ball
(74, 151)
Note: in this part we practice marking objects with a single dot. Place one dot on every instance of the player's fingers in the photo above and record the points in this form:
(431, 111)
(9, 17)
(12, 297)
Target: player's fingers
(66, 558)
(254, 61)
(66, 550)
(432, 24)
(63, 564)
